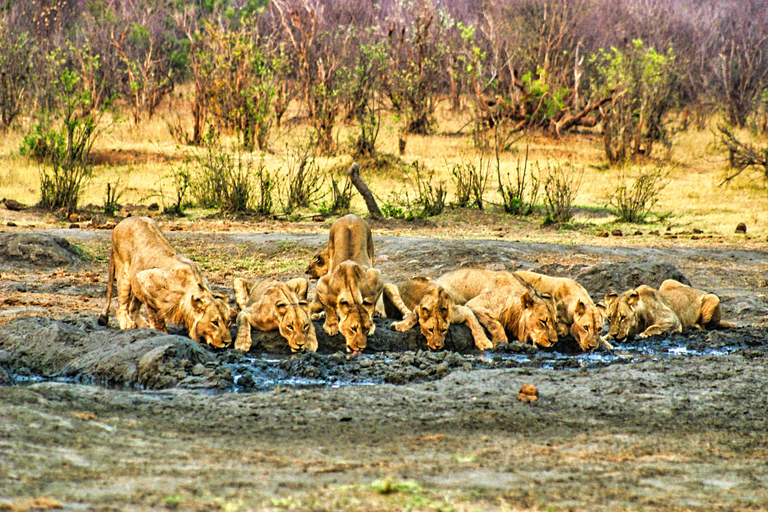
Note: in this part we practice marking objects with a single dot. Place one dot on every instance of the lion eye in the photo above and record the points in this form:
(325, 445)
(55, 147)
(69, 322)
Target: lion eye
(543, 322)
(306, 327)
(343, 302)
(290, 327)
(215, 323)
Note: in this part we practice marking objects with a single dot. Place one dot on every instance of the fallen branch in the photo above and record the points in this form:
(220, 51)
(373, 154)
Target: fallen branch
(354, 176)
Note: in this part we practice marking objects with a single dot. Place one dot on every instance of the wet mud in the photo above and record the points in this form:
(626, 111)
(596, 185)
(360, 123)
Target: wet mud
(101, 419)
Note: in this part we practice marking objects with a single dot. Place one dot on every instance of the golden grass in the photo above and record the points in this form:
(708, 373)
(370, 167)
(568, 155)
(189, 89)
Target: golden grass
(144, 157)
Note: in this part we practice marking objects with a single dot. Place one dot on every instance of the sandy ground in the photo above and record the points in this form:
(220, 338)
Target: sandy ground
(651, 430)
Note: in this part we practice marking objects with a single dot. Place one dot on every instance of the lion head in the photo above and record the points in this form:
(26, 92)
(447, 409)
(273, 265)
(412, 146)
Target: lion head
(622, 314)
(537, 321)
(292, 310)
(434, 313)
(209, 319)
(320, 265)
(587, 325)
(356, 301)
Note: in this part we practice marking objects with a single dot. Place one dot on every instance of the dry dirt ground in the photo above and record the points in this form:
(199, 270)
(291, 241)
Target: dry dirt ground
(674, 423)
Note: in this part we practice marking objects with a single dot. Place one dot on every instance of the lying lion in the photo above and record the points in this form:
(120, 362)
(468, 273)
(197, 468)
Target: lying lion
(350, 290)
(577, 314)
(420, 300)
(149, 271)
(645, 311)
(273, 304)
(502, 302)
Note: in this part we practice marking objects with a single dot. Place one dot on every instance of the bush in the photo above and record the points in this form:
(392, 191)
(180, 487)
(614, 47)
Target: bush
(470, 181)
(561, 184)
(341, 196)
(519, 196)
(304, 180)
(633, 202)
(430, 198)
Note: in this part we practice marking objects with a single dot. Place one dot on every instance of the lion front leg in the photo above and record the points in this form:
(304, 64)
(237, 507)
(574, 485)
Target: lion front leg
(662, 326)
(243, 341)
(134, 311)
(331, 324)
(156, 320)
(462, 314)
(496, 330)
(407, 323)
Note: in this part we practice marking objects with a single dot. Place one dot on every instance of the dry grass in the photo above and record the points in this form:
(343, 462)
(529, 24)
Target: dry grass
(138, 158)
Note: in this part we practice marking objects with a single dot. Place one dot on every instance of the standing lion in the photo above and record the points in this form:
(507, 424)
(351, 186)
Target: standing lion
(149, 271)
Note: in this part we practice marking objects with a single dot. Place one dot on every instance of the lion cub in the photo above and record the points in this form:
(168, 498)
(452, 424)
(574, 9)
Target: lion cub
(577, 314)
(350, 290)
(645, 311)
(273, 304)
(421, 300)
(149, 271)
(503, 302)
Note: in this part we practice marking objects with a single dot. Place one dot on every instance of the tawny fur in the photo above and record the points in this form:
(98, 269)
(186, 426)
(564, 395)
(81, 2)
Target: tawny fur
(645, 311)
(147, 270)
(349, 292)
(577, 314)
(273, 304)
(502, 302)
(434, 310)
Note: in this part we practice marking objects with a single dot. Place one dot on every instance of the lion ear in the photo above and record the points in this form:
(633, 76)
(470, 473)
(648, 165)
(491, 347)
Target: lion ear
(243, 290)
(374, 277)
(633, 298)
(526, 300)
(610, 297)
(300, 287)
(580, 308)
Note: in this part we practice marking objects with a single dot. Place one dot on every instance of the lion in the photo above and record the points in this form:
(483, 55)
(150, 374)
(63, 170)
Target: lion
(577, 314)
(503, 302)
(645, 311)
(350, 290)
(273, 304)
(420, 300)
(319, 265)
(149, 271)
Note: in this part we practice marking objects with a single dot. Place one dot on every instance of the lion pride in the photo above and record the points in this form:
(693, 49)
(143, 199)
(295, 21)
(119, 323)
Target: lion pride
(350, 290)
(502, 302)
(644, 311)
(272, 304)
(428, 304)
(577, 314)
(149, 271)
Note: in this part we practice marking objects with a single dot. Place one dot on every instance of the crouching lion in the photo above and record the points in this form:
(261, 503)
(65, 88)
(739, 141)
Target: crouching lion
(645, 311)
(577, 314)
(420, 300)
(502, 302)
(273, 304)
(350, 290)
(149, 271)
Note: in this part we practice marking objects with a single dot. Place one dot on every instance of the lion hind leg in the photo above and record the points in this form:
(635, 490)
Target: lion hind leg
(124, 298)
(462, 314)
(710, 313)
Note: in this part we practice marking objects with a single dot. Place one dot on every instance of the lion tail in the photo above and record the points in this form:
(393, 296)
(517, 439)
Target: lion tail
(104, 317)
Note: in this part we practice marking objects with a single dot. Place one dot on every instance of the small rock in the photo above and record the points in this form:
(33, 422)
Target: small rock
(74, 225)
(153, 207)
(318, 218)
(198, 370)
(617, 232)
(698, 231)
(655, 232)
(638, 233)
(11, 224)
(528, 393)
(73, 217)
(741, 228)
(603, 234)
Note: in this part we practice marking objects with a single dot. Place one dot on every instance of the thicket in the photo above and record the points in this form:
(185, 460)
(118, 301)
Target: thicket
(516, 65)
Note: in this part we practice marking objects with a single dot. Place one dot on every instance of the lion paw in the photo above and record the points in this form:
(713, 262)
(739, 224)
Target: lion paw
(317, 316)
(243, 343)
(400, 326)
(484, 344)
(331, 330)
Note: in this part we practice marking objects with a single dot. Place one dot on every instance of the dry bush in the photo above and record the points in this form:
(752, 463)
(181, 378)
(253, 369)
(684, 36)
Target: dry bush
(304, 179)
(561, 184)
(519, 196)
(341, 195)
(471, 181)
(633, 200)
(430, 198)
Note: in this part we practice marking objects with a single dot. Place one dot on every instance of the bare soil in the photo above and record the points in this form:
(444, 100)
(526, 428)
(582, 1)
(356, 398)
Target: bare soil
(98, 419)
